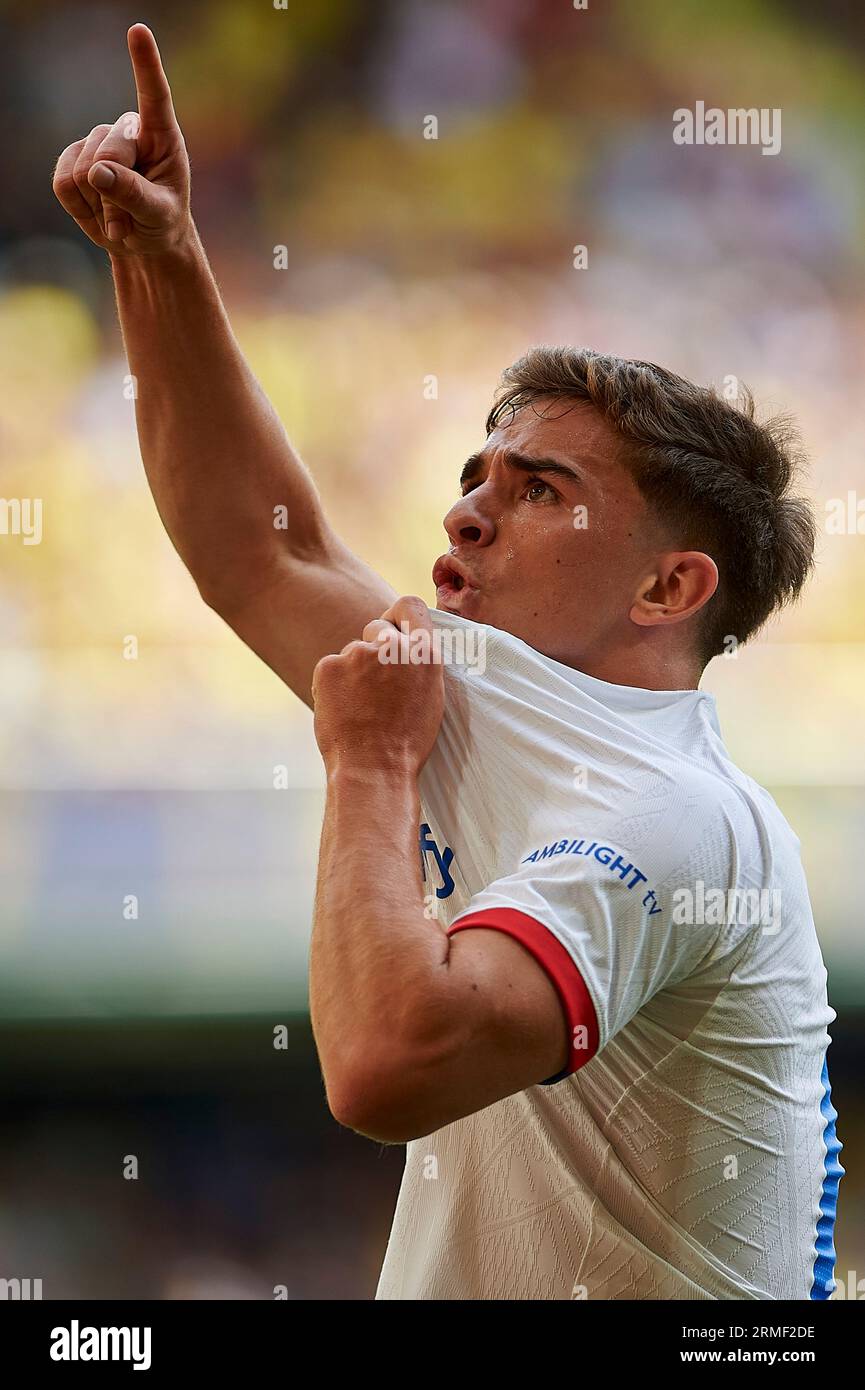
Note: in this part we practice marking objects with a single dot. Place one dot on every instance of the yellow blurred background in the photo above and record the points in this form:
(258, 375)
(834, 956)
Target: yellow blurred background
(140, 742)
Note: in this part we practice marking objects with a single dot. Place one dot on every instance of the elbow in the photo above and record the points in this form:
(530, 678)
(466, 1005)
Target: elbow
(388, 1102)
(396, 1086)
(241, 581)
(211, 595)
(226, 599)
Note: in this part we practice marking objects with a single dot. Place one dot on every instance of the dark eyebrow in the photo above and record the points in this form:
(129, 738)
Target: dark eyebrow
(525, 463)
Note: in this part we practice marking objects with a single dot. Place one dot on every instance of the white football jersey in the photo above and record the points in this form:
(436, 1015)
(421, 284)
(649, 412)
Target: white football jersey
(688, 1150)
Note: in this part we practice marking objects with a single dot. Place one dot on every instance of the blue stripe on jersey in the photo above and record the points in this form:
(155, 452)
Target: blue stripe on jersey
(824, 1263)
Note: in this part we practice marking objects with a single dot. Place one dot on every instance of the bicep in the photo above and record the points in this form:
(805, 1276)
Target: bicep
(507, 1029)
(307, 608)
(519, 1034)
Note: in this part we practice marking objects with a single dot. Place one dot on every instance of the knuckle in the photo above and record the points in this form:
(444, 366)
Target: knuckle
(60, 177)
(67, 155)
(324, 667)
(119, 137)
(64, 186)
(87, 154)
(128, 124)
(411, 607)
(80, 170)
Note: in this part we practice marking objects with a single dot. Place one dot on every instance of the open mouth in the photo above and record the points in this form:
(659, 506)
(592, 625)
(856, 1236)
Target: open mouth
(450, 579)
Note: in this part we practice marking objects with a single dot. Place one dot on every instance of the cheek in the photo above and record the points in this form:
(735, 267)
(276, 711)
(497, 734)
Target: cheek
(557, 549)
(567, 549)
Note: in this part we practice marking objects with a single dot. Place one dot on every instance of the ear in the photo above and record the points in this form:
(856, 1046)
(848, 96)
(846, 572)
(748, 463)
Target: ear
(677, 587)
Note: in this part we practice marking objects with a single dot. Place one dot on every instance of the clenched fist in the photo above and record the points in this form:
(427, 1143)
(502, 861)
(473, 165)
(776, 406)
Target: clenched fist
(379, 703)
(127, 185)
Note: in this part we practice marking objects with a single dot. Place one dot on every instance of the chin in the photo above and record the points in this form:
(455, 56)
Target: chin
(463, 603)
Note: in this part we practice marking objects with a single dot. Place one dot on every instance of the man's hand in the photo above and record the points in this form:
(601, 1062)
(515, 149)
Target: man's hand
(379, 703)
(127, 185)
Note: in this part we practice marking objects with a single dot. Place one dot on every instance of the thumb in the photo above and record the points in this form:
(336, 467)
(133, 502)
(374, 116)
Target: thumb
(411, 609)
(130, 192)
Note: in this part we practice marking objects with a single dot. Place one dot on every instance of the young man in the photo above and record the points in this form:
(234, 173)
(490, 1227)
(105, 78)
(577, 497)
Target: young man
(596, 1008)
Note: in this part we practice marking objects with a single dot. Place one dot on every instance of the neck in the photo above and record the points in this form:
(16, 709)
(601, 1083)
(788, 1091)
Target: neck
(639, 665)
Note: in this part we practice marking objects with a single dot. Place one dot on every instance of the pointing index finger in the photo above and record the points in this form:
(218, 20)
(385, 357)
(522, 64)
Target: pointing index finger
(155, 106)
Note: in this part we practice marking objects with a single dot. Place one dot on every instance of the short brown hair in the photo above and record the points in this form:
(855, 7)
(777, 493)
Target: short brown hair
(715, 478)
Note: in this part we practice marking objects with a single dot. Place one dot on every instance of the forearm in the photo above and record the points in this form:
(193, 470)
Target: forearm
(236, 500)
(378, 972)
(215, 453)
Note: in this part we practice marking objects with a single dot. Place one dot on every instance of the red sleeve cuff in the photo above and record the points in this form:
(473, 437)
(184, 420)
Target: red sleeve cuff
(549, 952)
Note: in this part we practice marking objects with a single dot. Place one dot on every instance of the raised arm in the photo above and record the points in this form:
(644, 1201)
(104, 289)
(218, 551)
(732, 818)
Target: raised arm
(235, 498)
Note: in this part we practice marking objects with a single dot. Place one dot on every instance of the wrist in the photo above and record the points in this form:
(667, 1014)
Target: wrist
(181, 250)
(390, 772)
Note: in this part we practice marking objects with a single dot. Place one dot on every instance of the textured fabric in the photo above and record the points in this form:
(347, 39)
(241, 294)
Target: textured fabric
(693, 1157)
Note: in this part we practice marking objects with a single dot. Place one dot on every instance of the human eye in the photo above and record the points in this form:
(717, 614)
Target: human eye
(531, 488)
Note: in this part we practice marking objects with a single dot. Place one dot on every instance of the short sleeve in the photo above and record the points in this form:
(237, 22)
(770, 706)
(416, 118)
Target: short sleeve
(606, 934)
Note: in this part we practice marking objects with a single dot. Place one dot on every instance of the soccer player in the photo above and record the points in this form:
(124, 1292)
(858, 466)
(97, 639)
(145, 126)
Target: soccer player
(562, 945)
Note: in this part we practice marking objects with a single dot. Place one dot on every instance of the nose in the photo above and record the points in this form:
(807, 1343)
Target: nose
(468, 522)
